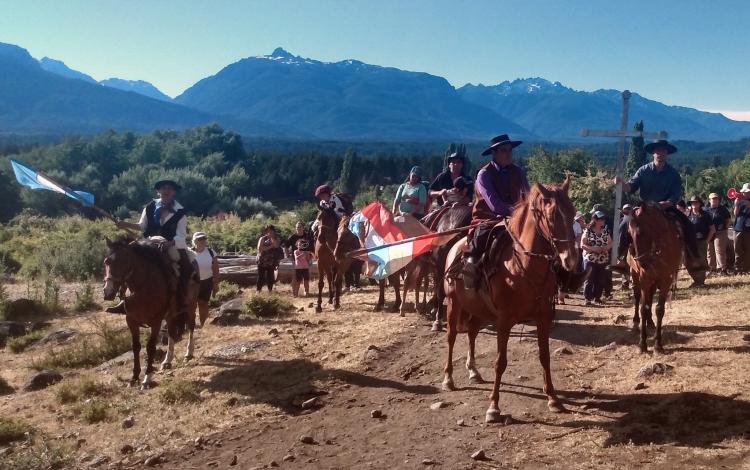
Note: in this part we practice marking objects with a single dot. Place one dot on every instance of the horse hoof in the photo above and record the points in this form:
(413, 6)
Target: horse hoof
(402, 313)
(659, 349)
(318, 309)
(476, 379)
(493, 416)
(436, 326)
(166, 366)
(189, 357)
(448, 386)
(378, 308)
(555, 406)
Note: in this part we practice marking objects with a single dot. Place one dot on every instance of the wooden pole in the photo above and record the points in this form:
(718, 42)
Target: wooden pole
(620, 170)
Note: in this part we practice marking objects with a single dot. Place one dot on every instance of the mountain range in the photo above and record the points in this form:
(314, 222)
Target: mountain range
(286, 96)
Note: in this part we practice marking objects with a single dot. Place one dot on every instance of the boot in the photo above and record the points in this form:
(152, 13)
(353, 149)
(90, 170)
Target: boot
(119, 308)
(471, 273)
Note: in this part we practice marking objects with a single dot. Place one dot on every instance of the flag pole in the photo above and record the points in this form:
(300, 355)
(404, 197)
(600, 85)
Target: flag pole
(454, 231)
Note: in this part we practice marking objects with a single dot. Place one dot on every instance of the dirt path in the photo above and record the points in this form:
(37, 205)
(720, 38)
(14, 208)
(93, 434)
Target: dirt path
(682, 419)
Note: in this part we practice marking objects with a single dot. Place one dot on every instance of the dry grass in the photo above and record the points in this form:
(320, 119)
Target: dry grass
(104, 343)
(706, 339)
(81, 389)
(19, 344)
(12, 430)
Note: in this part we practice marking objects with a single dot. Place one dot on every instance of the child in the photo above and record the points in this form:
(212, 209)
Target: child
(302, 259)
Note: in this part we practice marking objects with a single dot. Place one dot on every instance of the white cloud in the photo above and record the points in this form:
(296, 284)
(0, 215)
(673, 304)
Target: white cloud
(734, 115)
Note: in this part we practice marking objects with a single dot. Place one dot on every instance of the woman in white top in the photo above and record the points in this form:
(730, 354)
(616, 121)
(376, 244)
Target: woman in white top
(208, 268)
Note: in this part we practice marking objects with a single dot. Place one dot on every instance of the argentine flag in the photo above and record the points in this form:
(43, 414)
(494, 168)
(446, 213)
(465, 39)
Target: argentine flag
(28, 177)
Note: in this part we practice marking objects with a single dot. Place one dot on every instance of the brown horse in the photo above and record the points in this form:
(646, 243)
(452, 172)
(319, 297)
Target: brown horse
(332, 242)
(520, 285)
(654, 258)
(142, 268)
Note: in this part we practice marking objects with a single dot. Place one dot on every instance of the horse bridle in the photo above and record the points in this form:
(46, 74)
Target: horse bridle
(119, 281)
(551, 239)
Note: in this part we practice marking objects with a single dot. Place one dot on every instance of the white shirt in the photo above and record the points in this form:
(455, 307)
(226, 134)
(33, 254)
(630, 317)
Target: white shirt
(205, 262)
(180, 234)
(337, 205)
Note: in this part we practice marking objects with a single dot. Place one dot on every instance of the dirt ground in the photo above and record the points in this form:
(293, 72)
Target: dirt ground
(355, 361)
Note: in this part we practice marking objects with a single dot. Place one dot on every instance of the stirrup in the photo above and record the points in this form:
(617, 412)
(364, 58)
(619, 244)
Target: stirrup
(471, 272)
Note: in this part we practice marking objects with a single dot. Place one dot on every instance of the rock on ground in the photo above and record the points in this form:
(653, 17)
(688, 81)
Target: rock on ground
(42, 379)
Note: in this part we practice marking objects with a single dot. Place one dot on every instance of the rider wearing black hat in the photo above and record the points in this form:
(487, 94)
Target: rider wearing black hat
(659, 182)
(445, 181)
(165, 217)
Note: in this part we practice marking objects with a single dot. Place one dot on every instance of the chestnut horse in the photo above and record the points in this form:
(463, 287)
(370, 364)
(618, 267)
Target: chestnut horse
(520, 285)
(146, 272)
(654, 258)
(332, 260)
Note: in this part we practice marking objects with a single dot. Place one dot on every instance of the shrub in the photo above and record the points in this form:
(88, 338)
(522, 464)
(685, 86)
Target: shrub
(19, 344)
(41, 454)
(93, 412)
(71, 392)
(85, 299)
(248, 207)
(180, 391)
(226, 291)
(4, 301)
(267, 306)
(105, 344)
(12, 430)
(5, 388)
(46, 294)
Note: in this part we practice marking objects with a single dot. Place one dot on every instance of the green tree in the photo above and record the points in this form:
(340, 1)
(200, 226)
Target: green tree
(636, 155)
(346, 178)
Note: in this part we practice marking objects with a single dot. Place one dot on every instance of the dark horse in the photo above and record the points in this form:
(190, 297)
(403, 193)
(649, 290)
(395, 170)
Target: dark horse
(520, 285)
(654, 258)
(448, 217)
(142, 268)
(332, 242)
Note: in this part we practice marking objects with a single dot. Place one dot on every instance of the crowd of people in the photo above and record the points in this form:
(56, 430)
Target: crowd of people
(717, 237)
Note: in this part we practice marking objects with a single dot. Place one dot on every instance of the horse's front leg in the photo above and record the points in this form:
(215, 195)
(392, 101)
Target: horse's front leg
(658, 347)
(452, 323)
(190, 345)
(135, 336)
(474, 376)
(503, 333)
(381, 296)
(553, 403)
(396, 281)
(331, 286)
(150, 352)
(338, 282)
(321, 284)
(167, 362)
(645, 314)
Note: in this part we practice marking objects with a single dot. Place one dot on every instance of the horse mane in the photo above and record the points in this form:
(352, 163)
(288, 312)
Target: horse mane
(145, 249)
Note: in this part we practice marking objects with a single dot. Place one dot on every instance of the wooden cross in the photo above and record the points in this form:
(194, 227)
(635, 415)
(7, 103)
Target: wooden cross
(622, 134)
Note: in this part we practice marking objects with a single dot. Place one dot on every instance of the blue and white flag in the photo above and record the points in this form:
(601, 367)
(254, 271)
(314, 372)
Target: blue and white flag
(35, 180)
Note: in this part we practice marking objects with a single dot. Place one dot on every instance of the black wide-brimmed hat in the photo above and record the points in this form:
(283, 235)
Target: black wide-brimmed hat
(649, 148)
(500, 140)
(172, 183)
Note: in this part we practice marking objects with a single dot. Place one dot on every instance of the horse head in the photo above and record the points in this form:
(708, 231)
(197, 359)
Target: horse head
(554, 213)
(647, 220)
(117, 266)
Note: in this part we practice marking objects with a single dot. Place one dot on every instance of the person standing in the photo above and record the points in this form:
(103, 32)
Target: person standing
(302, 260)
(165, 217)
(291, 247)
(411, 196)
(717, 247)
(704, 230)
(500, 184)
(578, 223)
(268, 258)
(596, 243)
(208, 269)
(742, 230)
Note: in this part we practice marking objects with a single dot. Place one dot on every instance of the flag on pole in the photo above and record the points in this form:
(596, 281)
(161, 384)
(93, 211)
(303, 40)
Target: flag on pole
(391, 242)
(33, 179)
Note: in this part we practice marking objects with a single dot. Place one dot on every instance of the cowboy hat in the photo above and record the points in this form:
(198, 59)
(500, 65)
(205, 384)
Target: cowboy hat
(660, 143)
(713, 195)
(745, 188)
(579, 215)
(696, 198)
(626, 207)
(160, 183)
(455, 156)
(199, 236)
(498, 141)
(323, 189)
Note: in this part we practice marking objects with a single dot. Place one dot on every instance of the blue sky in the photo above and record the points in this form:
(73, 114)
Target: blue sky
(692, 53)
